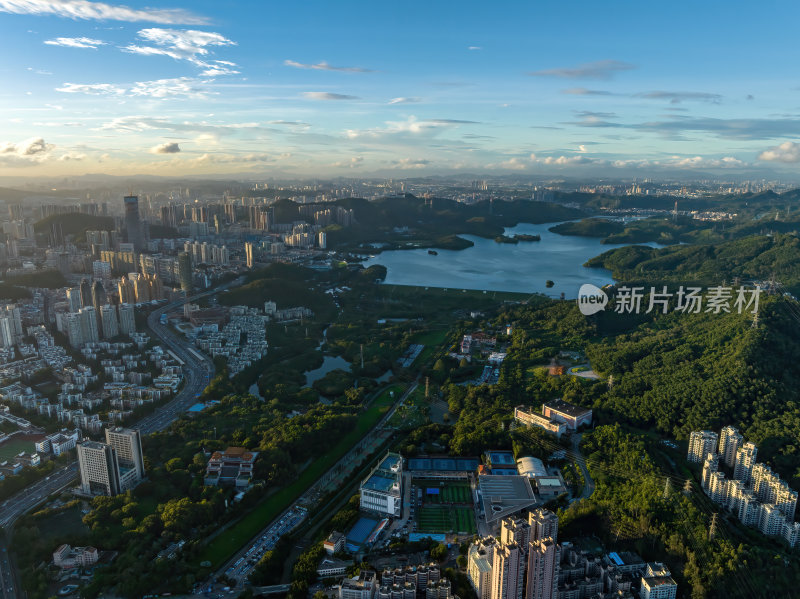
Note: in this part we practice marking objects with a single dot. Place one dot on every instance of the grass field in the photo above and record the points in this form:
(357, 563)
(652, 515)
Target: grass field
(450, 493)
(68, 523)
(448, 510)
(224, 545)
(12, 448)
(446, 518)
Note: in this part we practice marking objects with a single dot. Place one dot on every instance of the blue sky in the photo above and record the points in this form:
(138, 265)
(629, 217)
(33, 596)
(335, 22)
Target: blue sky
(406, 88)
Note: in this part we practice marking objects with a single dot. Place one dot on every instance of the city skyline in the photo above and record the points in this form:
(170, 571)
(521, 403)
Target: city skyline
(188, 88)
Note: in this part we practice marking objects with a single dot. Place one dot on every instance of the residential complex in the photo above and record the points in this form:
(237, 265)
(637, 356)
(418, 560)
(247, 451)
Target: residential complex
(755, 495)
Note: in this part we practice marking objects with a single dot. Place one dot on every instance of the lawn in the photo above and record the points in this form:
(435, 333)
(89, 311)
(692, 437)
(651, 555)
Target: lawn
(12, 448)
(224, 545)
(439, 519)
(432, 340)
(63, 525)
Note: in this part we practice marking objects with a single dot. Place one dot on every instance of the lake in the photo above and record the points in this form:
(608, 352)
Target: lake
(524, 267)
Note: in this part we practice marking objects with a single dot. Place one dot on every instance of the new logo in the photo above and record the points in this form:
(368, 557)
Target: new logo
(591, 299)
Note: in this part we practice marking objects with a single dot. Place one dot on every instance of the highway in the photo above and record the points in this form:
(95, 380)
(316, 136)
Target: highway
(196, 375)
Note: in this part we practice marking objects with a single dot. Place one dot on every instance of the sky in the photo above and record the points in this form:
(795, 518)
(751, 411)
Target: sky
(569, 88)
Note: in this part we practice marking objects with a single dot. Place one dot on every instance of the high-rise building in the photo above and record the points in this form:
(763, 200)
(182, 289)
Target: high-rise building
(543, 523)
(127, 443)
(74, 299)
(89, 325)
(6, 332)
(710, 465)
(73, 327)
(101, 270)
(729, 443)
(133, 226)
(657, 583)
(248, 252)
(544, 556)
(185, 271)
(142, 287)
(127, 293)
(127, 320)
(98, 295)
(108, 316)
(701, 443)
(86, 293)
(745, 460)
(98, 468)
(508, 572)
(480, 558)
(515, 530)
(156, 287)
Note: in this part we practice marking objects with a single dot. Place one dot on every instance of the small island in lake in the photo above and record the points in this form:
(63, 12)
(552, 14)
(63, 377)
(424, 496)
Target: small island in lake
(517, 238)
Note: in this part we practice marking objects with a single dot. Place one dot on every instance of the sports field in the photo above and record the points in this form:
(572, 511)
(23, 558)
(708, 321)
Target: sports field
(446, 518)
(445, 506)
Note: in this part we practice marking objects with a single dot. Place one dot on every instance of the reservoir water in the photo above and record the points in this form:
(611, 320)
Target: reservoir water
(524, 267)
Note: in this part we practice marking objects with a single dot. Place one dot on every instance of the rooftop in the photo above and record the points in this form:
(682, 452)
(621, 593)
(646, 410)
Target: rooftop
(559, 405)
(502, 496)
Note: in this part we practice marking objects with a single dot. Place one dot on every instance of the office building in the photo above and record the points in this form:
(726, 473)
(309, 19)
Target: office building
(232, 467)
(528, 417)
(573, 416)
(98, 469)
(701, 443)
(128, 446)
(248, 252)
(382, 491)
(729, 443)
(133, 226)
(185, 271)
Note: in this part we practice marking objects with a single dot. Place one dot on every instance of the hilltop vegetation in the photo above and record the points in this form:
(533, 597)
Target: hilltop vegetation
(74, 223)
(753, 257)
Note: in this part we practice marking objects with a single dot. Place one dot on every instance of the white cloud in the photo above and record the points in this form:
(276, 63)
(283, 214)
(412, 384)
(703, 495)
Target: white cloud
(324, 66)
(404, 100)
(185, 44)
(85, 10)
(328, 96)
(159, 88)
(787, 152)
(411, 126)
(474, 48)
(92, 89)
(25, 153)
(169, 147)
(76, 42)
(411, 163)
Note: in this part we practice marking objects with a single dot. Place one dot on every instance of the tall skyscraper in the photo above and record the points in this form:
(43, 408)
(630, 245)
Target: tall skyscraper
(515, 530)
(108, 316)
(544, 556)
(73, 327)
(6, 332)
(127, 295)
(185, 271)
(248, 252)
(86, 292)
(98, 468)
(133, 226)
(89, 325)
(127, 320)
(127, 443)
(508, 572)
(74, 299)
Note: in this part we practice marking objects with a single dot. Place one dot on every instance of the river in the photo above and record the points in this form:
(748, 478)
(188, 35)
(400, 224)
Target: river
(524, 267)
